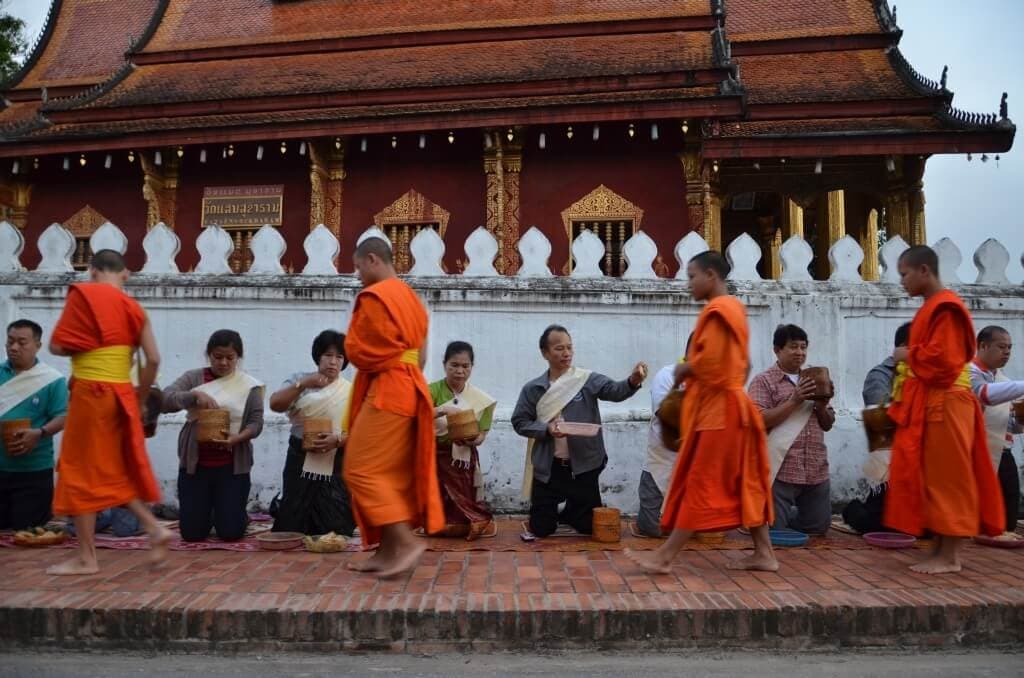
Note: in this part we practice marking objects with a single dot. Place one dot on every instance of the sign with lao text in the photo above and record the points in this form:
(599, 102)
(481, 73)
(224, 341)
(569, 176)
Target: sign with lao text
(242, 206)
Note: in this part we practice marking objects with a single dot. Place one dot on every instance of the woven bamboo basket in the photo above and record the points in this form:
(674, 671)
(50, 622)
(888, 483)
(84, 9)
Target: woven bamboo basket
(11, 427)
(312, 427)
(607, 525)
(462, 425)
(213, 425)
(669, 413)
(879, 427)
(822, 382)
(712, 538)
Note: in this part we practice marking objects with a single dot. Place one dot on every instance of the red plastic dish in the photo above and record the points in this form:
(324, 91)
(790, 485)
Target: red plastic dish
(890, 540)
(1000, 543)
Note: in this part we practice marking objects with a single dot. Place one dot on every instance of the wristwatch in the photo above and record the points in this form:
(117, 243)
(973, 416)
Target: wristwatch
(44, 434)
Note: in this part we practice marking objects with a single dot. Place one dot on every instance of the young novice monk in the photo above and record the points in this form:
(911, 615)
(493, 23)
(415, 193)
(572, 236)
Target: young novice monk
(560, 468)
(720, 481)
(213, 478)
(941, 478)
(314, 499)
(458, 461)
(103, 461)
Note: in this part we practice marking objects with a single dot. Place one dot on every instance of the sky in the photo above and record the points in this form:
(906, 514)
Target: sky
(967, 202)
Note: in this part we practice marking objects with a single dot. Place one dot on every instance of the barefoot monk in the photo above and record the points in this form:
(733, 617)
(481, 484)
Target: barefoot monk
(721, 479)
(390, 459)
(103, 460)
(941, 478)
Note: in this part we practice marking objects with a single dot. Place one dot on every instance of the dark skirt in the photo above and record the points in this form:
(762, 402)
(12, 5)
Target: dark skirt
(313, 506)
(464, 515)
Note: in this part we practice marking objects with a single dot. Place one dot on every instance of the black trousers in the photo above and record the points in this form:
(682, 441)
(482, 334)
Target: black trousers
(581, 495)
(213, 498)
(313, 506)
(25, 499)
(1009, 480)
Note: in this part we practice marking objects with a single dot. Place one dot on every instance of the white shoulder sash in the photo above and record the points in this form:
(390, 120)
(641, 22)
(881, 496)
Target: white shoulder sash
(550, 405)
(231, 393)
(997, 420)
(23, 386)
(782, 437)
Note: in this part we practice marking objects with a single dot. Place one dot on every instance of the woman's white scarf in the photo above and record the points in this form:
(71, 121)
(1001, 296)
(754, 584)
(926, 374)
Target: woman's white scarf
(474, 399)
(550, 406)
(328, 402)
(231, 393)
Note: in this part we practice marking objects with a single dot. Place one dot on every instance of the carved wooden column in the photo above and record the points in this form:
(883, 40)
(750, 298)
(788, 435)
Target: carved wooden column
(503, 163)
(869, 243)
(771, 239)
(326, 182)
(792, 218)
(915, 207)
(831, 227)
(897, 215)
(160, 188)
(16, 196)
(703, 200)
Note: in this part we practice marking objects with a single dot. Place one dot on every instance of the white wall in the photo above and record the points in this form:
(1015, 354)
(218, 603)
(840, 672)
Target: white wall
(614, 323)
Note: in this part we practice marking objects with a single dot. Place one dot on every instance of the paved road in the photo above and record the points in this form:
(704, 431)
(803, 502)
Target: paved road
(565, 665)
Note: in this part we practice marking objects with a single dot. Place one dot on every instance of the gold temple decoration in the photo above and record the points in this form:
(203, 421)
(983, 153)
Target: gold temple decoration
(610, 217)
(403, 219)
(503, 163)
(160, 189)
(326, 181)
(82, 224)
(14, 201)
(869, 243)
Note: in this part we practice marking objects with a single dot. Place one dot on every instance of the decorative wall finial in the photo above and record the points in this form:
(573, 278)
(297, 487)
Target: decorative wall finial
(1004, 109)
(945, 73)
(894, 19)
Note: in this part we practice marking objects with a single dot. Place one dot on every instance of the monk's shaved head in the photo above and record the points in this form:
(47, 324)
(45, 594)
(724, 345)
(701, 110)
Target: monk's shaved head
(107, 261)
(376, 246)
(712, 261)
(921, 255)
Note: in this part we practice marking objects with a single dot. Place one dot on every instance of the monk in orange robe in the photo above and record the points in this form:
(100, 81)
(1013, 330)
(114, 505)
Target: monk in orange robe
(390, 465)
(721, 478)
(941, 477)
(103, 460)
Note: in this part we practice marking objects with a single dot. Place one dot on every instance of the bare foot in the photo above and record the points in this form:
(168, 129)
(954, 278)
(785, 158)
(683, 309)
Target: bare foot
(371, 564)
(74, 567)
(647, 563)
(158, 547)
(755, 562)
(936, 566)
(403, 562)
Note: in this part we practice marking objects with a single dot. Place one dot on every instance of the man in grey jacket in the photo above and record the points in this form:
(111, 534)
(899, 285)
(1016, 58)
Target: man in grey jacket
(561, 467)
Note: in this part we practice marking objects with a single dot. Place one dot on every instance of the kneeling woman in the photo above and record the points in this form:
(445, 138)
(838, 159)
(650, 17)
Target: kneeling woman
(315, 500)
(213, 479)
(458, 462)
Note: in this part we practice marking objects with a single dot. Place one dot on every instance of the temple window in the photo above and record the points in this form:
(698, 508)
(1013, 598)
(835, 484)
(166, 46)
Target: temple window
(241, 257)
(610, 217)
(82, 224)
(403, 219)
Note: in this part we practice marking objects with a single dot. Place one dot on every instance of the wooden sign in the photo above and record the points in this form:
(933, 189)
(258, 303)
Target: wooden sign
(242, 206)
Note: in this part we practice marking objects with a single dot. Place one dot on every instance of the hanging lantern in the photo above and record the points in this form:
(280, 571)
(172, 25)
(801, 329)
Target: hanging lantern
(631, 131)
(597, 132)
(224, 153)
(302, 148)
(890, 163)
(107, 161)
(568, 132)
(757, 166)
(181, 152)
(451, 137)
(714, 166)
(158, 158)
(510, 135)
(818, 166)
(15, 166)
(131, 156)
(542, 140)
(259, 152)
(337, 143)
(654, 131)
(35, 163)
(423, 141)
(202, 155)
(488, 142)
(284, 147)
(67, 163)
(394, 142)
(81, 160)
(362, 145)
(685, 127)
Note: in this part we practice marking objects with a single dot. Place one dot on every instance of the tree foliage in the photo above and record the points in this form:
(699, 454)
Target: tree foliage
(13, 44)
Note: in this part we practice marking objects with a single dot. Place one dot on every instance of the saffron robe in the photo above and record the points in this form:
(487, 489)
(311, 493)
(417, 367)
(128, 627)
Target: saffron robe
(721, 479)
(941, 477)
(390, 462)
(103, 461)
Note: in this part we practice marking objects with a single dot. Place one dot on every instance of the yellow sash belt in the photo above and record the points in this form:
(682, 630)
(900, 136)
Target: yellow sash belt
(411, 357)
(110, 363)
(903, 372)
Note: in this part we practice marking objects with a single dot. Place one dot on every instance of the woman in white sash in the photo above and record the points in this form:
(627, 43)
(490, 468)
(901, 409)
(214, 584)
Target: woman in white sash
(314, 499)
(458, 461)
(213, 478)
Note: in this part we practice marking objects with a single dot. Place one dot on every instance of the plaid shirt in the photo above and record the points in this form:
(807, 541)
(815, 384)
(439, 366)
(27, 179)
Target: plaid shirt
(806, 463)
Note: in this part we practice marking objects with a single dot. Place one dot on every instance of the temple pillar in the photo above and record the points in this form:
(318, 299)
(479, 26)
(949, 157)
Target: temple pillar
(897, 216)
(915, 208)
(703, 200)
(326, 182)
(160, 188)
(792, 218)
(831, 227)
(503, 163)
(771, 237)
(869, 243)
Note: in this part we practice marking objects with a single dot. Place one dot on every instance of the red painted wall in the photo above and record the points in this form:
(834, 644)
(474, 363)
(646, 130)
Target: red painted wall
(243, 169)
(647, 173)
(450, 175)
(115, 193)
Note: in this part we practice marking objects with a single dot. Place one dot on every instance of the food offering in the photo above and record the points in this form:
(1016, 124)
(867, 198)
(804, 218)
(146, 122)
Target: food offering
(40, 536)
(325, 543)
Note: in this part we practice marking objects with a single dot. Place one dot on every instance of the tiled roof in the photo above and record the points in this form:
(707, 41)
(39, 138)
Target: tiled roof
(845, 126)
(750, 20)
(856, 75)
(413, 67)
(18, 112)
(89, 41)
(192, 24)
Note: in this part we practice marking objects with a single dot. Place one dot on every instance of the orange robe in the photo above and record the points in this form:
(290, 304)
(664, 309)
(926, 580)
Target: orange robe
(941, 477)
(390, 463)
(720, 480)
(103, 461)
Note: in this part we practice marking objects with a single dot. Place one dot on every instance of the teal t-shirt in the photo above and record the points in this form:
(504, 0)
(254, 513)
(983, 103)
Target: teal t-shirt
(42, 406)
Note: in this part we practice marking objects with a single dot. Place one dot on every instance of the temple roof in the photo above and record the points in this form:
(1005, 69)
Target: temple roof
(233, 70)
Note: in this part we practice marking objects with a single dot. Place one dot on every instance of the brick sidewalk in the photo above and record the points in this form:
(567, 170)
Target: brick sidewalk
(502, 600)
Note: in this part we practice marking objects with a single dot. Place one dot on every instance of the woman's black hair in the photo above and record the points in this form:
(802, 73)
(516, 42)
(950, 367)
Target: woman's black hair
(547, 333)
(225, 339)
(457, 347)
(326, 340)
